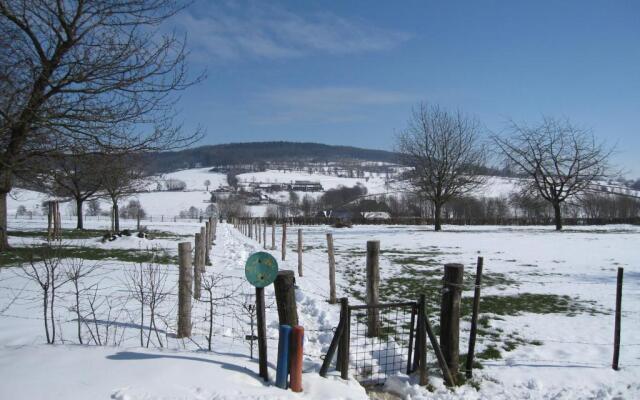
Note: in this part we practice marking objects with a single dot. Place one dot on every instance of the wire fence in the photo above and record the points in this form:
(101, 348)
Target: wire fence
(375, 356)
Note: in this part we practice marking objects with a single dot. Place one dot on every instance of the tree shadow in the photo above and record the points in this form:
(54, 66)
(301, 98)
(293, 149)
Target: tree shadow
(130, 325)
(132, 355)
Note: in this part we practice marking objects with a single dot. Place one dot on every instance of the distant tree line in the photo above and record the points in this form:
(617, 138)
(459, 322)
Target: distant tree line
(257, 153)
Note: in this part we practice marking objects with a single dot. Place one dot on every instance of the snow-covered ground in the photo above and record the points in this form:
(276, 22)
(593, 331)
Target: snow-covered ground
(196, 178)
(556, 352)
(125, 370)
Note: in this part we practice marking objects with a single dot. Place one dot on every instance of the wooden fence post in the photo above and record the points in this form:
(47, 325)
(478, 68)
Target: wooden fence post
(300, 252)
(50, 221)
(450, 315)
(184, 290)
(210, 236)
(373, 283)
(618, 320)
(422, 340)
(284, 240)
(332, 270)
(284, 287)
(264, 234)
(207, 243)
(203, 250)
(273, 235)
(59, 219)
(474, 319)
(345, 339)
(197, 269)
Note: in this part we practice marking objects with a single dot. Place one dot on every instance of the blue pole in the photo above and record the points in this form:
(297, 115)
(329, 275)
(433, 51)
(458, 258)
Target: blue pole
(282, 370)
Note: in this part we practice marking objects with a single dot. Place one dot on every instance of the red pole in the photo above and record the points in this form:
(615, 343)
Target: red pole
(297, 337)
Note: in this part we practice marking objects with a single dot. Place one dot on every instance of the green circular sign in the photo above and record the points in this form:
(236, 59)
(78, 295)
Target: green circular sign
(261, 269)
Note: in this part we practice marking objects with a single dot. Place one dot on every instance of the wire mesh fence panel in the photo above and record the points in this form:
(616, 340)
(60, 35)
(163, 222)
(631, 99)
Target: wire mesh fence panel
(375, 358)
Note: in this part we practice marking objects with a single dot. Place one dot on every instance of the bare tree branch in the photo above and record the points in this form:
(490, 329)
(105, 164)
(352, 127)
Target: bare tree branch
(559, 159)
(442, 150)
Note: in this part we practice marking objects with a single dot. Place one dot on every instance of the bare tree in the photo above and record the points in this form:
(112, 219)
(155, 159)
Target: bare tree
(75, 271)
(559, 159)
(209, 284)
(123, 176)
(147, 285)
(99, 73)
(232, 206)
(78, 175)
(444, 155)
(135, 282)
(45, 270)
(103, 311)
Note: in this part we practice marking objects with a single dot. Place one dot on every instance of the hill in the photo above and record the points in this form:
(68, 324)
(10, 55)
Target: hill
(256, 152)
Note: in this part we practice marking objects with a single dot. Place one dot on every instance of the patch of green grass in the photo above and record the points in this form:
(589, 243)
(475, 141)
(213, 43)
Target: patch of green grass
(93, 234)
(66, 233)
(490, 353)
(414, 260)
(154, 234)
(420, 272)
(532, 303)
(20, 255)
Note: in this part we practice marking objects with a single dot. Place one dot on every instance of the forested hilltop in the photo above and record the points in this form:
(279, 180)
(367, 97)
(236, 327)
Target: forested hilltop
(255, 152)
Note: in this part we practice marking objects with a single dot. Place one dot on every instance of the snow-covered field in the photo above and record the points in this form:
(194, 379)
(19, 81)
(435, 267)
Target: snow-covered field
(544, 345)
(168, 204)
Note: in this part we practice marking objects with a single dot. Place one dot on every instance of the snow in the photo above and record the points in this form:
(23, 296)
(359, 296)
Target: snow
(195, 178)
(85, 372)
(573, 361)
(123, 369)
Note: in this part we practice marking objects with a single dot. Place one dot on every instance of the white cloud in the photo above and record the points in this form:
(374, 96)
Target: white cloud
(328, 104)
(236, 30)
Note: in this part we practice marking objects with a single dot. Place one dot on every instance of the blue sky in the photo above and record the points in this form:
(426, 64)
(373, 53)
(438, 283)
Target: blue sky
(349, 72)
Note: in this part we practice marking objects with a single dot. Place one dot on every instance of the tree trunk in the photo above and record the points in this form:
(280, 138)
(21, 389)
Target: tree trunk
(4, 238)
(437, 216)
(558, 216)
(45, 304)
(53, 317)
(79, 203)
(116, 216)
(78, 316)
